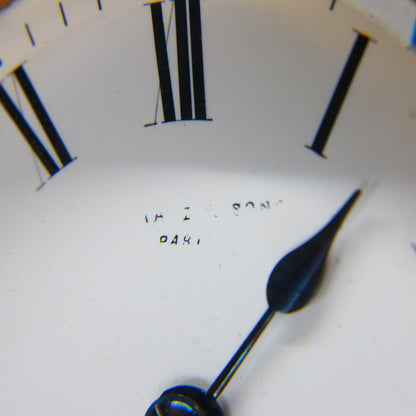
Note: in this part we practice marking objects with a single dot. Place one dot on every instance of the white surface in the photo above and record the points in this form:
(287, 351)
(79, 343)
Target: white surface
(98, 317)
(398, 16)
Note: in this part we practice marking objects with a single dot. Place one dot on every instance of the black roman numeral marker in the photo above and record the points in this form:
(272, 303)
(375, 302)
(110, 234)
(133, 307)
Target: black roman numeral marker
(33, 141)
(339, 94)
(191, 83)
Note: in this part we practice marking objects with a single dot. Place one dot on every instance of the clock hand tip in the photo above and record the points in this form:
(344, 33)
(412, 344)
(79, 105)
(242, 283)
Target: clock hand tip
(297, 276)
(352, 199)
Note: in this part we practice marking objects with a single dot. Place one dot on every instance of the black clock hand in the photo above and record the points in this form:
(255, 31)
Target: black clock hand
(292, 284)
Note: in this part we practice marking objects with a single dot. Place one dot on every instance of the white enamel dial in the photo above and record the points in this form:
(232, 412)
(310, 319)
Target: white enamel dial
(141, 262)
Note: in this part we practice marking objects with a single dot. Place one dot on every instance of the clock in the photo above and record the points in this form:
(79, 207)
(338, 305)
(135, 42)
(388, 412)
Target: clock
(158, 159)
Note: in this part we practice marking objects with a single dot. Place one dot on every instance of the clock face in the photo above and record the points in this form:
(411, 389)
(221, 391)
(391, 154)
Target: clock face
(157, 160)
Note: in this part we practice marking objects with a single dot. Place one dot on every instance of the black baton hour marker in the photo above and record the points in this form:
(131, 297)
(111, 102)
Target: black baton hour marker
(61, 7)
(339, 94)
(29, 33)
